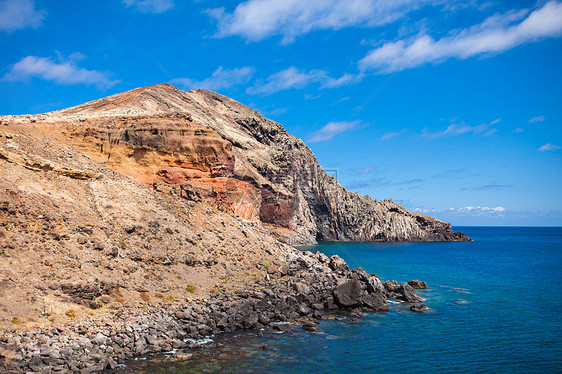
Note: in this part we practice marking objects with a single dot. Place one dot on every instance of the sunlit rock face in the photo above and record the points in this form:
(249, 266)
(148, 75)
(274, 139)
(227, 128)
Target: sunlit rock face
(203, 146)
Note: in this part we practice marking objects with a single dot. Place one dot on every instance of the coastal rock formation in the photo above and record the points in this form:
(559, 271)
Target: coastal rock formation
(419, 308)
(132, 224)
(203, 146)
(417, 284)
(409, 294)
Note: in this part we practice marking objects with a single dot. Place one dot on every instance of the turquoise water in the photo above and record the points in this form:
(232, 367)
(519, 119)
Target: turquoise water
(496, 307)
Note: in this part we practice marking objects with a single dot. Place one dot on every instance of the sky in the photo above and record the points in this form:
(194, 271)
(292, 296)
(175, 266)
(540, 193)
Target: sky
(452, 108)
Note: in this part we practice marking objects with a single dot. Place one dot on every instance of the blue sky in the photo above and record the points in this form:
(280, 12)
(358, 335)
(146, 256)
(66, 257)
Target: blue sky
(452, 108)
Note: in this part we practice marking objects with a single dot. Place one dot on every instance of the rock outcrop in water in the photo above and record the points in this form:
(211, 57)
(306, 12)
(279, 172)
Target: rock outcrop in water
(203, 146)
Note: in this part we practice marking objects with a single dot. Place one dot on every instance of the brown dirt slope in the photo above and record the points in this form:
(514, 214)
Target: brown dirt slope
(78, 238)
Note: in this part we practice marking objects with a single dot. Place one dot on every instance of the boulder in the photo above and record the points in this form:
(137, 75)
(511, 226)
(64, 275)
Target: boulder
(338, 264)
(322, 257)
(301, 288)
(375, 302)
(391, 286)
(309, 326)
(419, 307)
(374, 285)
(348, 294)
(417, 284)
(409, 294)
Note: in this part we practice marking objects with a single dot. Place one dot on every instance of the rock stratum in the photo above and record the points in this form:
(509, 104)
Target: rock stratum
(203, 146)
(133, 224)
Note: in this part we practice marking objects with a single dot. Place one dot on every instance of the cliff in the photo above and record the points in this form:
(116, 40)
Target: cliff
(203, 146)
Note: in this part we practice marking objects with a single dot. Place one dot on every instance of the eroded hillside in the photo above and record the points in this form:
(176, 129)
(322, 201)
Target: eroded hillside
(205, 147)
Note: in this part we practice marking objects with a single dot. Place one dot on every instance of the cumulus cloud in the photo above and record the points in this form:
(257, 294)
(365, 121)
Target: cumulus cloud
(462, 128)
(536, 119)
(390, 135)
(150, 6)
(258, 19)
(294, 78)
(549, 147)
(19, 14)
(332, 129)
(60, 71)
(495, 35)
(220, 79)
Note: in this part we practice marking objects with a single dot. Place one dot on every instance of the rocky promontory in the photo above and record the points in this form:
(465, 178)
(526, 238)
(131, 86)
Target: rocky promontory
(138, 223)
(202, 146)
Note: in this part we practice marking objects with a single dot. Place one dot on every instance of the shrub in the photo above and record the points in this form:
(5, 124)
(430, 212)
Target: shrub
(265, 263)
(15, 320)
(190, 288)
(71, 313)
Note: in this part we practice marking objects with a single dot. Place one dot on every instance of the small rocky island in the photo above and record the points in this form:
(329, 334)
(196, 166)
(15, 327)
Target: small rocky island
(136, 223)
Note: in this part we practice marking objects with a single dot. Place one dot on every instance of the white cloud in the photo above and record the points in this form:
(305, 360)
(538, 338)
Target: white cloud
(344, 80)
(495, 35)
(294, 78)
(455, 129)
(482, 209)
(332, 129)
(465, 211)
(549, 147)
(220, 79)
(518, 130)
(63, 71)
(536, 119)
(390, 135)
(19, 14)
(150, 6)
(258, 19)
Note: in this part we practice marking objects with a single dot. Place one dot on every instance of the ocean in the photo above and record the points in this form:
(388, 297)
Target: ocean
(496, 307)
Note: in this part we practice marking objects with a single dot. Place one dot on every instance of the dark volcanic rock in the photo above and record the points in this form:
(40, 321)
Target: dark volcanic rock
(349, 294)
(309, 326)
(417, 284)
(409, 294)
(375, 302)
(391, 286)
(419, 307)
(338, 264)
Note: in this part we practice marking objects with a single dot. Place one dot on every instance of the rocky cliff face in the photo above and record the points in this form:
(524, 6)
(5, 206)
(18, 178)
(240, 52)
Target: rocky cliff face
(203, 146)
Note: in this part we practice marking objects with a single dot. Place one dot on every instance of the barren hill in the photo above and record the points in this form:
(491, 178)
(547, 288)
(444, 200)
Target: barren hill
(203, 146)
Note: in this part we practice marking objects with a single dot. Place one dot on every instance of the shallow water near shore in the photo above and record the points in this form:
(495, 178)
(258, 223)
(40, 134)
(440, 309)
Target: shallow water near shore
(495, 304)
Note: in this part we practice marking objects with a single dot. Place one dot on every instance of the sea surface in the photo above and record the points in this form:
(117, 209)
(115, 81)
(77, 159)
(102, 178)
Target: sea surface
(496, 307)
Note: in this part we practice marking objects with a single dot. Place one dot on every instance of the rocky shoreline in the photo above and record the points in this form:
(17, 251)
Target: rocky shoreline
(297, 292)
